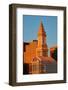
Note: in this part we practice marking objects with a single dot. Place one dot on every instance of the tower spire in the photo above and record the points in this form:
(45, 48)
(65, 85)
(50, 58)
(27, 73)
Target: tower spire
(41, 29)
(42, 49)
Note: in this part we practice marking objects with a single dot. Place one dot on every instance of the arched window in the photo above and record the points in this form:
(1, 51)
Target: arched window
(35, 67)
(43, 67)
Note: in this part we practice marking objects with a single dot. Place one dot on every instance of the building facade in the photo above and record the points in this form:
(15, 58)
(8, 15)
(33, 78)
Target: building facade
(52, 49)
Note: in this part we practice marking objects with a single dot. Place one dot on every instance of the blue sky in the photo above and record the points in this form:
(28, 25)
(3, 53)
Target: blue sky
(31, 26)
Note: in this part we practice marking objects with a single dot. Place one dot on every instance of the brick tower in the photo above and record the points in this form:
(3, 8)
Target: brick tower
(42, 49)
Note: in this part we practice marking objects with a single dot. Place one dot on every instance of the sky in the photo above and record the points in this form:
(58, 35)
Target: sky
(31, 25)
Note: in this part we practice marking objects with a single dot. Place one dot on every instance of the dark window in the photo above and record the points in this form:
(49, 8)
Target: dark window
(25, 68)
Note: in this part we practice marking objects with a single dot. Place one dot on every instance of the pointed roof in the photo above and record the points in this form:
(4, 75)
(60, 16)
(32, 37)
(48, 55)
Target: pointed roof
(41, 29)
(46, 60)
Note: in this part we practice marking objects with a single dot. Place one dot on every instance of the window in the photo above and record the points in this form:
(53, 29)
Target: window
(43, 67)
(35, 67)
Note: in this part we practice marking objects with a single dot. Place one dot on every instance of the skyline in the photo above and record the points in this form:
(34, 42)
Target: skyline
(31, 25)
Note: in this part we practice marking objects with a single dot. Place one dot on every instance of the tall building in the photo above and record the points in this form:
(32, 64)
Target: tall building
(36, 59)
(42, 49)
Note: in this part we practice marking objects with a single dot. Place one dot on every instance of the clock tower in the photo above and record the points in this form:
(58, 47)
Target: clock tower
(42, 49)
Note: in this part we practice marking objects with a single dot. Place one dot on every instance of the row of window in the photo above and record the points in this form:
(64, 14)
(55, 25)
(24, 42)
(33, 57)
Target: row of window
(39, 68)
